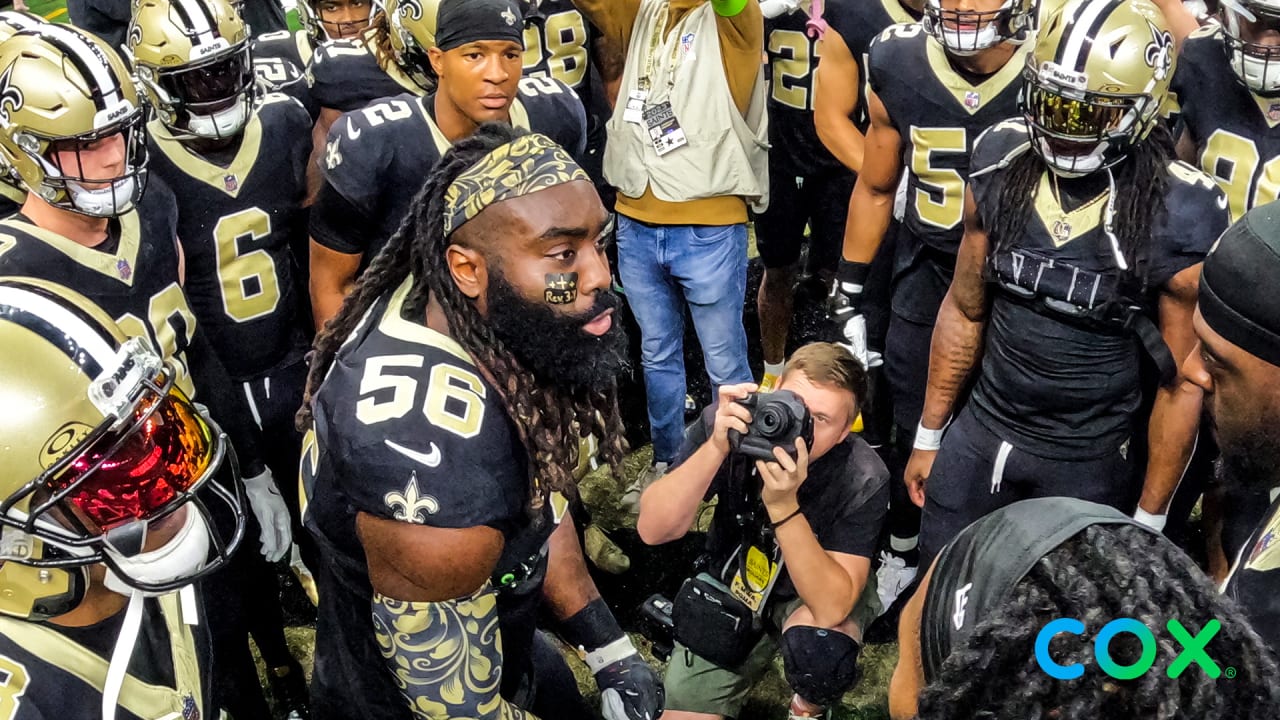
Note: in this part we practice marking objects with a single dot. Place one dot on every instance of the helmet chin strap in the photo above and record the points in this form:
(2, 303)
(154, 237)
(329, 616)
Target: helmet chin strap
(181, 557)
(109, 201)
(221, 124)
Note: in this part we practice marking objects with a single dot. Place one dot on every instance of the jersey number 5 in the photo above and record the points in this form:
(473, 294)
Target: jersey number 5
(939, 197)
(455, 396)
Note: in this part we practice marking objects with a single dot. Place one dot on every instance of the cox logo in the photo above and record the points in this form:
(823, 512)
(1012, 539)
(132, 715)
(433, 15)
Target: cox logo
(1193, 649)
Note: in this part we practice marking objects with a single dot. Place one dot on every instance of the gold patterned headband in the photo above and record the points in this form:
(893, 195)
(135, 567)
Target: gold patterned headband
(525, 165)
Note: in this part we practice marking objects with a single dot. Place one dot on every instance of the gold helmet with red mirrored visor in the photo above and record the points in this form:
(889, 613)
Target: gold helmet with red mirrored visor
(966, 32)
(194, 64)
(102, 460)
(1251, 33)
(1094, 84)
(71, 125)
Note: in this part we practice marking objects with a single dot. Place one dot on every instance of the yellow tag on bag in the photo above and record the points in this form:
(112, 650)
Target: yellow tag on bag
(760, 571)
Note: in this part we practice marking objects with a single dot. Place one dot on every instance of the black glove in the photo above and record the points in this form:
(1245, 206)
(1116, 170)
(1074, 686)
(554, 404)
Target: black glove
(629, 688)
(846, 296)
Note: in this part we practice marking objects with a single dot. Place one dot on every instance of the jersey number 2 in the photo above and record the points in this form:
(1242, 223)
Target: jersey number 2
(794, 58)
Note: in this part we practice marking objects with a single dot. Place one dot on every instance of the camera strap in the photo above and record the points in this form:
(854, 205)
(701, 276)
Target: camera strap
(755, 562)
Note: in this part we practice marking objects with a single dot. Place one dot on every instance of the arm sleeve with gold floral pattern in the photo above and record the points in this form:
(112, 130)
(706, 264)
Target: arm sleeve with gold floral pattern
(446, 657)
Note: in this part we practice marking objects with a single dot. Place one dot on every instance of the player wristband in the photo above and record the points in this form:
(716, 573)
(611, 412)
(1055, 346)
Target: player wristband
(851, 278)
(783, 521)
(592, 628)
(928, 439)
(1155, 522)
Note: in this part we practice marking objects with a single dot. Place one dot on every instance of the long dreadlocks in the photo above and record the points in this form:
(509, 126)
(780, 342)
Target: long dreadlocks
(550, 420)
(1141, 180)
(1103, 573)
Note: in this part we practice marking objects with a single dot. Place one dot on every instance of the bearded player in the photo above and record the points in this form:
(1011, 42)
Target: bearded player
(443, 394)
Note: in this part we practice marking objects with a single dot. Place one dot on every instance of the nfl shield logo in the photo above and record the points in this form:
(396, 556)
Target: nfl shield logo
(122, 267)
(1264, 542)
(972, 100)
(230, 183)
(189, 709)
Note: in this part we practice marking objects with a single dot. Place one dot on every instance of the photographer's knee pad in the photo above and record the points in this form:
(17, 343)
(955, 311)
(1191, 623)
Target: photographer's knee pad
(821, 664)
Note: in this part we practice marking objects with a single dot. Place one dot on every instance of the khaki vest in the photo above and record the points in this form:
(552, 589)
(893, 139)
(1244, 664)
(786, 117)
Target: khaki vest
(726, 154)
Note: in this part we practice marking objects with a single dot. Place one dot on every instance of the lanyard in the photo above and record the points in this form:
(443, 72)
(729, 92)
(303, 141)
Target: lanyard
(657, 46)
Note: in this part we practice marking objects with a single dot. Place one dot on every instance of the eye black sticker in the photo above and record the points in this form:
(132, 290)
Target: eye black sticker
(562, 288)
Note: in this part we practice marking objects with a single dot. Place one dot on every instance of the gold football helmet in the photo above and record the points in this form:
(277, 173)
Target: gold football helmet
(413, 32)
(1244, 24)
(63, 92)
(99, 449)
(317, 18)
(965, 32)
(193, 62)
(13, 21)
(1095, 82)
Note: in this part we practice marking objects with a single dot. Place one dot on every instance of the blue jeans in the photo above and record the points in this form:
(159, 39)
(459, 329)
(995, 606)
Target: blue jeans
(663, 266)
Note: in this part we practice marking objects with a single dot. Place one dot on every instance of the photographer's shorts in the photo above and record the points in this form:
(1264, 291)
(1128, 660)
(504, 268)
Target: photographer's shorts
(697, 685)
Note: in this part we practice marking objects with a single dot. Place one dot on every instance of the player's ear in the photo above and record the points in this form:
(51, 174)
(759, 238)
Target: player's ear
(436, 56)
(469, 270)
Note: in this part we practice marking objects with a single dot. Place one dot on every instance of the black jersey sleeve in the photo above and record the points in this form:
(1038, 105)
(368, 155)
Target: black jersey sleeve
(355, 166)
(556, 111)
(1196, 214)
(994, 150)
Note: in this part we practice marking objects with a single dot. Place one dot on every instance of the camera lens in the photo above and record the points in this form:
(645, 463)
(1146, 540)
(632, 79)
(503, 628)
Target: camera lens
(771, 421)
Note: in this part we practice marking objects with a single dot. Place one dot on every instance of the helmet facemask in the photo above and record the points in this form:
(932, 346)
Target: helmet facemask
(410, 52)
(968, 32)
(67, 182)
(1078, 131)
(312, 17)
(146, 468)
(210, 99)
(1256, 64)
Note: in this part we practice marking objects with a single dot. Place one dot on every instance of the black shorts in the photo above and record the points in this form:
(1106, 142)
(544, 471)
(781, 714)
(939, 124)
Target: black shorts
(976, 472)
(906, 366)
(819, 201)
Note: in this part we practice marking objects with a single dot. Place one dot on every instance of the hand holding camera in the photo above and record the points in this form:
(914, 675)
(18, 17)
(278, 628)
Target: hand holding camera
(782, 480)
(730, 416)
(775, 422)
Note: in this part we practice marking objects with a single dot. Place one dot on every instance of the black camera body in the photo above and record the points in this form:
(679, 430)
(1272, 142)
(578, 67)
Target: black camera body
(778, 419)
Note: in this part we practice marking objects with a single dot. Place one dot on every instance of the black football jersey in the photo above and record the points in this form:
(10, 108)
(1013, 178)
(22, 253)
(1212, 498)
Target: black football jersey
(11, 198)
(236, 223)
(280, 62)
(134, 278)
(1254, 581)
(938, 114)
(48, 672)
(557, 43)
(1236, 133)
(347, 75)
(858, 22)
(379, 157)
(1062, 388)
(793, 58)
(408, 429)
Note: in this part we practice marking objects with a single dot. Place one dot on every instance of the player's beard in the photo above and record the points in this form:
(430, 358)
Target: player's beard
(552, 344)
(1250, 459)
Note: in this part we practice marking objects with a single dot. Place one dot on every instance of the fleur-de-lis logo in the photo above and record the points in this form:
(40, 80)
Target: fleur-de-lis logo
(1159, 53)
(11, 99)
(411, 9)
(509, 16)
(332, 156)
(411, 505)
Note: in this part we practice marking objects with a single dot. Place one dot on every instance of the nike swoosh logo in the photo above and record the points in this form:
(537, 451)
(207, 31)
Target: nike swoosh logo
(353, 132)
(430, 459)
(1222, 202)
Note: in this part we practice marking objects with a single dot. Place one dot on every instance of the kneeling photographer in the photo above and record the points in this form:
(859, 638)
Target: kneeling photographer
(801, 502)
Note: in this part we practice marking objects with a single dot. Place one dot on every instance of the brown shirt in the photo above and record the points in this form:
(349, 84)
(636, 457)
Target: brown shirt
(741, 50)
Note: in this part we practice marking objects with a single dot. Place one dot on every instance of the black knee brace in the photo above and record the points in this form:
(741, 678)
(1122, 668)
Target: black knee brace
(821, 664)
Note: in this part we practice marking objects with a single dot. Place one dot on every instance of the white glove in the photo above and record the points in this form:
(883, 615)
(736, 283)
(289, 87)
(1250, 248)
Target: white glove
(855, 339)
(272, 514)
(776, 8)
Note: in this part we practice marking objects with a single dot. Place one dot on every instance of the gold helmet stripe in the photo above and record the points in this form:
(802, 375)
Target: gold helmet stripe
(1081, 31)
(83, 339)
(89, 60)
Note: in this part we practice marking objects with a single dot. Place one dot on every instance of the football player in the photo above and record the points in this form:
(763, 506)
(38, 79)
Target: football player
(71, 129)
(280, 59)
(375, 159)
(236, 164)
(932, 88)
(1082, 248)
(444, 396)
(109, 514)
(807, 184)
